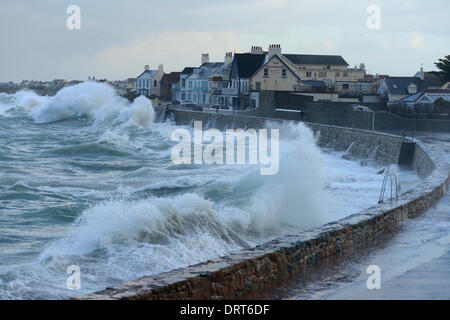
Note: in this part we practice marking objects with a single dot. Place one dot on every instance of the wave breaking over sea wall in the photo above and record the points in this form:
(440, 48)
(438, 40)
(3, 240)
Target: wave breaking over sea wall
(87, 180)
(88, 99)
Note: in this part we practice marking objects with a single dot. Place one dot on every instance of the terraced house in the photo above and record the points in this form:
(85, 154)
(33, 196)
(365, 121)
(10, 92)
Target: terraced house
(326, 77)
(202, 85)
(149, 82)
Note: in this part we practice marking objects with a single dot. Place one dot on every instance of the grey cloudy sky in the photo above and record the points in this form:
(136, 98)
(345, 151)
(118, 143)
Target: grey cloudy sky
(117, 38)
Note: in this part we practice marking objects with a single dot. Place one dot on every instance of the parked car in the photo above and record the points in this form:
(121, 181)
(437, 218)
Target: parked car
(358, 107)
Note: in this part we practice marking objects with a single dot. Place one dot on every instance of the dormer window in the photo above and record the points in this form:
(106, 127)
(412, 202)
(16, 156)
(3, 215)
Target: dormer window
(412, 89)
(266, 73)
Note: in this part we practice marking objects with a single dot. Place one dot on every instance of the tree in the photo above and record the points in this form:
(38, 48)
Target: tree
(442, 106)
(444, 66)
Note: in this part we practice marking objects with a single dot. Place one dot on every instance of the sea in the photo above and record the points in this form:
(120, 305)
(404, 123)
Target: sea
(87, 180)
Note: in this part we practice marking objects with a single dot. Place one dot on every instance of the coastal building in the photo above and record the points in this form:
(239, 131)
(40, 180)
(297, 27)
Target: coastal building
(394, 89)
(149, 82)
(425, 99)
(219, 80)
(170, 86)
(243, 67)
(131, 84)
(204, 85)
(326, 77)
(198, 82)
(183, 86)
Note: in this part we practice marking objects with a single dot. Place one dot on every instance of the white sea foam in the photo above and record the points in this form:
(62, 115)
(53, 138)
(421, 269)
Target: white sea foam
(293, 198)
(98, 101)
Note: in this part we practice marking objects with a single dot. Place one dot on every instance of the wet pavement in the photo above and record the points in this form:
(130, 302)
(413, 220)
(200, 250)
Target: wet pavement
(414, 260)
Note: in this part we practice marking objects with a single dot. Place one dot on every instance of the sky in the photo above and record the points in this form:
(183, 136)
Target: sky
(117, 38)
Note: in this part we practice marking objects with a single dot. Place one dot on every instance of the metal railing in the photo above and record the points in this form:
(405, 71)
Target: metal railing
(391, 178)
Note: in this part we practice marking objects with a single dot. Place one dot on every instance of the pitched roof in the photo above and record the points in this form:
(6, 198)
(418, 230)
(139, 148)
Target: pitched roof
(433, 79)
(206, 70)
(172, 77)
(282, 61)
(150, 72)
(213, 65)
(399, 85)
(188, 70)
(433, 95)
(316, 59)
(248, 63)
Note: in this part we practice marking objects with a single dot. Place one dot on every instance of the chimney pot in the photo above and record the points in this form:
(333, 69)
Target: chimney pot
(257, 50)
(274, 49)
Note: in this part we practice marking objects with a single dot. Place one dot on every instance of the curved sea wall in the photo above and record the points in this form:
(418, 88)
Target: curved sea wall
(265, 266)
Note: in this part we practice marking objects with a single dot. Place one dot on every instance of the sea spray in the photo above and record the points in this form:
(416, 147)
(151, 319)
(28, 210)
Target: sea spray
(98, 101)
(295, 196)
(292, 198)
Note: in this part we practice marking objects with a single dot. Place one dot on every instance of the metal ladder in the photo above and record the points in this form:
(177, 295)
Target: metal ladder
(391, 178)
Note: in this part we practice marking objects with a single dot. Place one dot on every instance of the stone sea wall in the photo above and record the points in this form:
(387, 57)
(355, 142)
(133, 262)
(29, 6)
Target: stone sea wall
(247, 271)
(384, 148)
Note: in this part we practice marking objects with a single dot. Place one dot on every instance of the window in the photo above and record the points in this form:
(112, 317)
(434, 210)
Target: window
(322, 74)
(345, 86)
(338, 74)
(258, 86)
(345, 74)
(283, 73)
(183, 83)
(266, 73)
(308, 74)
(155, 83)
(328, 68)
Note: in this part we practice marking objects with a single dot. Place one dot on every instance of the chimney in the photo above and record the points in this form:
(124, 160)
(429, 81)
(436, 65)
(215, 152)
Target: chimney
(161, 67)
(274, 49)
(205, 58)
(147, 67)
(228, 57)
(257, 50)
(422, 75)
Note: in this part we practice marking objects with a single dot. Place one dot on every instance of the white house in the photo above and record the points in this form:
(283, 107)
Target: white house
(149, 81)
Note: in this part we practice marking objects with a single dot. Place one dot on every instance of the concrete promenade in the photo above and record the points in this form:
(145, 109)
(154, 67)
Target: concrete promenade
(414, 261)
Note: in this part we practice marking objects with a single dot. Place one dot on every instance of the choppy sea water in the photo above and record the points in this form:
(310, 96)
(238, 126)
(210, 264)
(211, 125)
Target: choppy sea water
(86, 179)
